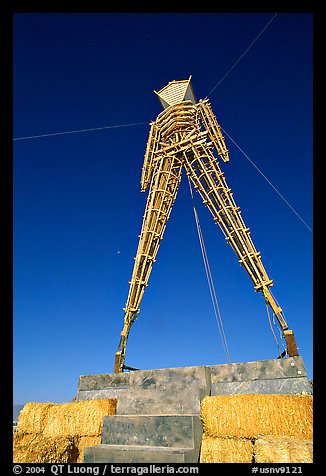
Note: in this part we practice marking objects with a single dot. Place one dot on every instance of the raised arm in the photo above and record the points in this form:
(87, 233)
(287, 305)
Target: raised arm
(214, 131)
(151, 148)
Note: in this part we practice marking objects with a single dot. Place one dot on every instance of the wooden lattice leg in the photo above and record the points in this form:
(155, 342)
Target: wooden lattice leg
(209, 181)
(207, 177)
(162, 193)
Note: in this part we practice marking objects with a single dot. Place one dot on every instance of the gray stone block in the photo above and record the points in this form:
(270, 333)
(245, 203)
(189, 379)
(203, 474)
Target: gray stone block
(148, 439)
(259, 369)
(102, 393)
(160, 402)
(262, 376)
(155, 430)
(102, 381)
(92, 387)
(156, 391)
(139, 454)
(286, 385)
(175, 379)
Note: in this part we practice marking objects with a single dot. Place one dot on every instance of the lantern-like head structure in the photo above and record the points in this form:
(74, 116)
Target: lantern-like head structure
(175, 92)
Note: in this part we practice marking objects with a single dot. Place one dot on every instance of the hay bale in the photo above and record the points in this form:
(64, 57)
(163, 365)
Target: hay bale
(59, 419)
(226, 450)
(32, 417)
(286, 449)
(83, 418)
(63, 449)
(86, 441)
(21, 438)
(55, 424)
(248, 415)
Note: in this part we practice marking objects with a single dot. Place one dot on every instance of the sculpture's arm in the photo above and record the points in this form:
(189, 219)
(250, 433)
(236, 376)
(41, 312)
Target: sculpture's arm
(214, 130)
(151, 148)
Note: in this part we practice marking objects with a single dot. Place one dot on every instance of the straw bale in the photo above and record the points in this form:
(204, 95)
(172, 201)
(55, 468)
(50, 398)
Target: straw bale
(32, 417)
(56, 424)
(226, 450)
(61, 449)
(277, 449)
(248, 415)
(82, 418)
(21, 438)
(86, 441)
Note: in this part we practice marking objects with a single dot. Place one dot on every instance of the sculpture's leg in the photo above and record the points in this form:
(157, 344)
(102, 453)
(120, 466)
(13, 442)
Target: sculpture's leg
(209, 181)
(207, 177)
(162, 193)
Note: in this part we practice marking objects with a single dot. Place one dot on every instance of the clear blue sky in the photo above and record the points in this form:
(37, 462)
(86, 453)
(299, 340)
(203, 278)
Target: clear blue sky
(78, 206)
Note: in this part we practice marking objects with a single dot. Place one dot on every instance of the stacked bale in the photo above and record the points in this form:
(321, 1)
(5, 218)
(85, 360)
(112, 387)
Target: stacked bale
(283, 449)
(225, 450)
(236, 427)
(58, 433)
(63, 449)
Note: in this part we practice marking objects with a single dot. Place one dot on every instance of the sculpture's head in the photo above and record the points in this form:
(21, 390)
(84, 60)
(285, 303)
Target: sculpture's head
(175, 92)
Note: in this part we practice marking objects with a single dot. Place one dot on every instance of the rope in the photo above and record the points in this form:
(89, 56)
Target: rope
(210, 279)
(271, 327)
(277, 324)
(268, 181)
(278, 328)
(243, 54)
(80, 130)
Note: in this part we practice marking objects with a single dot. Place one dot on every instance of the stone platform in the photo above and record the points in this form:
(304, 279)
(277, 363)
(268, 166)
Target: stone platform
(148, 439)
(158, 411)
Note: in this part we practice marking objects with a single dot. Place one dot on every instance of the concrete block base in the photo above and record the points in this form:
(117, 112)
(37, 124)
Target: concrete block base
(148, 439)
(158, 411)
(138, 454)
